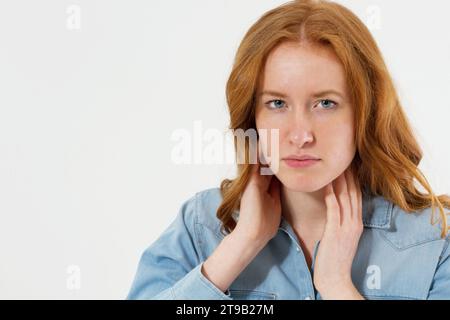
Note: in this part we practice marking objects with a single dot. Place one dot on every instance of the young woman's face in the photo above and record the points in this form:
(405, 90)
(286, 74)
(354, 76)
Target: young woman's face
(303, 93)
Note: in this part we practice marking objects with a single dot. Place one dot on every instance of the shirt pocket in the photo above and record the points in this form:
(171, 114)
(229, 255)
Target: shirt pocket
(238, 294)
(396, 268)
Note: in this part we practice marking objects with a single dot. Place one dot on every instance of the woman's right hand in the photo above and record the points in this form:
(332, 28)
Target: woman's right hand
(260, 207)
(259, 220)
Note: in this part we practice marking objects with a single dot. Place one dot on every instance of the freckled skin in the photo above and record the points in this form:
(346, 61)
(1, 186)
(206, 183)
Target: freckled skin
(305, 124)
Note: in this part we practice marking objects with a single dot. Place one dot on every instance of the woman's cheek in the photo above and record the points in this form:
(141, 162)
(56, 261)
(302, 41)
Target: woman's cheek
(270, 135)
(340, 148)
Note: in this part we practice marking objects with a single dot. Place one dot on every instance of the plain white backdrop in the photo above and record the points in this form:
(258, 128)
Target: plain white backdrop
(91, 92)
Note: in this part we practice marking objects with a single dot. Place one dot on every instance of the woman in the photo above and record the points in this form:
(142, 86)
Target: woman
(349, 222)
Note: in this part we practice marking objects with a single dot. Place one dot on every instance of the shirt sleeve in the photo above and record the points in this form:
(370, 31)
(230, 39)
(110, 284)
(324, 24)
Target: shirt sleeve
(170, 268)
(440, 287)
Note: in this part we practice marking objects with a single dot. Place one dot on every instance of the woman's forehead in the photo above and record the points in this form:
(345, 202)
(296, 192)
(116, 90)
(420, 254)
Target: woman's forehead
(312, 68)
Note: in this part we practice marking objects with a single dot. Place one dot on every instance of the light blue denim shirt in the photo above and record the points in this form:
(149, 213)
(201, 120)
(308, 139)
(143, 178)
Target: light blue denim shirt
(400, 256)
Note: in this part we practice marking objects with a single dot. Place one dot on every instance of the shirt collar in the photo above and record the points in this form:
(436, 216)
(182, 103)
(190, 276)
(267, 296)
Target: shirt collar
(376, 212)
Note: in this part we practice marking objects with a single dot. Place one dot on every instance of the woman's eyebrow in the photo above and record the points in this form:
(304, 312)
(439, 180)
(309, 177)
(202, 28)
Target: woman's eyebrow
(317, 94)
(272, 93)
(329, 91)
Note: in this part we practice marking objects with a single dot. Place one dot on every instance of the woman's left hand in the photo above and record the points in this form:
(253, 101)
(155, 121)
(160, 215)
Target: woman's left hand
(343, 229)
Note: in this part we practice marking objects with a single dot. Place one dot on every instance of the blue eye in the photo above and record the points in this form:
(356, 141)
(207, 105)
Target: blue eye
(328, 104)
(277, 106)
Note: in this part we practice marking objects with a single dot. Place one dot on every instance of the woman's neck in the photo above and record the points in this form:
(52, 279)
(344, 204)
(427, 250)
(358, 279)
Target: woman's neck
(304, 210)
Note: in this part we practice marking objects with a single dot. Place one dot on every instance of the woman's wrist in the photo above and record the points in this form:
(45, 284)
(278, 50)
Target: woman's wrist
(233, 254)
(344, 291)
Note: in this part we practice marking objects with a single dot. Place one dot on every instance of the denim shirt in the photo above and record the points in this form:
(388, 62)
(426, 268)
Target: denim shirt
(400, 255)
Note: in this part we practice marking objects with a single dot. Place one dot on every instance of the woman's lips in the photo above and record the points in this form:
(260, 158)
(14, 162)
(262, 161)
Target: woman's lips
(293, 163)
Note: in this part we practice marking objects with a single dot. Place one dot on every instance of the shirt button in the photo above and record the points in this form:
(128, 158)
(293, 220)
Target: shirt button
(308, 298)
(297, 248)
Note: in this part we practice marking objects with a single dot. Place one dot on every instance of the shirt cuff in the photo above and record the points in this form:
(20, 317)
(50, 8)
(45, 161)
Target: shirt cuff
(195, 286)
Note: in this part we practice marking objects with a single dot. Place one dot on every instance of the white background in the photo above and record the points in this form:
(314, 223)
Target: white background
(87, 114)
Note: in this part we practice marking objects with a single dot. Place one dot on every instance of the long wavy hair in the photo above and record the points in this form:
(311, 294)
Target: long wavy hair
(388, 155)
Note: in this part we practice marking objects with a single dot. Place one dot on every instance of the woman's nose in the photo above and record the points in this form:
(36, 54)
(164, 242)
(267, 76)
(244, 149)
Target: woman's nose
(299, 126)
(300, 130)
(299, 137)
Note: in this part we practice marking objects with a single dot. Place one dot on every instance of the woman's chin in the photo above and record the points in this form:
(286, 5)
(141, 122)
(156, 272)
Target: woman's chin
(300, 185)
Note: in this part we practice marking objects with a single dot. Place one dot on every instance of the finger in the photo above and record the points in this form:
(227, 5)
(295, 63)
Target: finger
(274, 191)
(254, 168)
(259, 153)
(358, 195)
(359, 201)
(351, 185)
(261, 181)
(343, 198)
(333, 211)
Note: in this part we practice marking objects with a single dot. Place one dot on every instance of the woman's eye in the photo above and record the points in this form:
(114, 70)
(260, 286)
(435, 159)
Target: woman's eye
(277, 104)
(328, 104)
